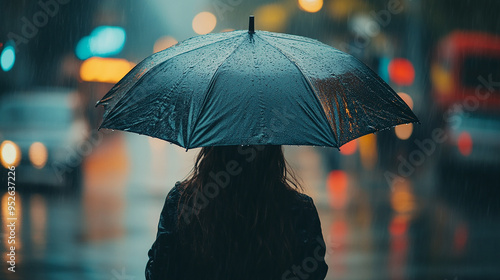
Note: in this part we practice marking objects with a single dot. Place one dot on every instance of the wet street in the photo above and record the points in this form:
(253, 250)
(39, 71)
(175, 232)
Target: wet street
(372, 230)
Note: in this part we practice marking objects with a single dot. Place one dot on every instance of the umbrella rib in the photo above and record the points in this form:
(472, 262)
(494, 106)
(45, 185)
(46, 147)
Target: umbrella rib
(136, 83)
(208, 90)
(401, 102)
(342, 83)
(344, 99)
(339, 118)
(211, 43)
(343, 96)
(373, 124)
(306, 78)
(310, 41)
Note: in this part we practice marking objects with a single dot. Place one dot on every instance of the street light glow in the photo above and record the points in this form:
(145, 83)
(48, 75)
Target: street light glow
(311, 6)
(8, 57)
(204, 23)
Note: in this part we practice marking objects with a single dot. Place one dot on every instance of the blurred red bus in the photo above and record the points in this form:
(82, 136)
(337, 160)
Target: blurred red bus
(466, 69)
(465, 74)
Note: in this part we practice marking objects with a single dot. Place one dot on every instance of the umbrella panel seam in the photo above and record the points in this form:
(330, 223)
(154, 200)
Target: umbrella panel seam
(136, 83)
(209, 89)
(313, 89)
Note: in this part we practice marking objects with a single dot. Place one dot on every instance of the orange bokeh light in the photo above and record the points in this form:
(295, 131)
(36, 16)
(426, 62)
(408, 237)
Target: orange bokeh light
(407, 99)
(105, 70)
(349, 148)
(311, 6)
(402, 197)
(38, 155)
(272, 17)
(404, 131)
(164, 43)
(204, 23)
(368, 151)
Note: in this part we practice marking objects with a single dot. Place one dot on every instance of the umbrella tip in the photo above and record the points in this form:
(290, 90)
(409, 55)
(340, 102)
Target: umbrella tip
(251, 28)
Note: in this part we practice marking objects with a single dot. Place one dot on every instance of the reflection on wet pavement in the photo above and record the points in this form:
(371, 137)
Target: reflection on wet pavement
(372, 230)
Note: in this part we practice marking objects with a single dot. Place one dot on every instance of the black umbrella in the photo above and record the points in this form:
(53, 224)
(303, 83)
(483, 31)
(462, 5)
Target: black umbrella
(253, 88)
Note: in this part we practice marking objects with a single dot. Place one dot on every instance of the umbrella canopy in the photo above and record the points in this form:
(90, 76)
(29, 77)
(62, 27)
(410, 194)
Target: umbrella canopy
(253, 88)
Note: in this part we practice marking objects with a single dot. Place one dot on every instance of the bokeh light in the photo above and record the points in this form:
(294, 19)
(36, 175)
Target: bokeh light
(407, 99)
(404, 131)
(398, 225)
(272, 17)
(38, 155)
(337, 186)
(349, 148)
(8, 57)
(464, 143)
(105, 70)
(311, 6)
(104, 41)
(164, 43)
(442, 79)
(10, 154)
(401, 71)
(368, 151)
(204, 23)
(402, 197)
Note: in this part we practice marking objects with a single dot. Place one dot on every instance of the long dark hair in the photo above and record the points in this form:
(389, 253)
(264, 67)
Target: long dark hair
(233, 214)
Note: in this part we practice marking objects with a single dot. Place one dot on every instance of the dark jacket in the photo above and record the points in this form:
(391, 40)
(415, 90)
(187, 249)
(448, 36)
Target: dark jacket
(309, 260)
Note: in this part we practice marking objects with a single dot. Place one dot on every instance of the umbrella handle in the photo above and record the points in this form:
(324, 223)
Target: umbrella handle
(251, 28)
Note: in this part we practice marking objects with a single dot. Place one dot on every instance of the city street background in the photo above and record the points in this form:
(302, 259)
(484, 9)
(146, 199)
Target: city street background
(417, 201)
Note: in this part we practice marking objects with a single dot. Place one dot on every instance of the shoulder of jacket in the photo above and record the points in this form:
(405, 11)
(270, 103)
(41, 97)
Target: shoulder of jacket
(175, 192)
(302, 202)
(302, 197)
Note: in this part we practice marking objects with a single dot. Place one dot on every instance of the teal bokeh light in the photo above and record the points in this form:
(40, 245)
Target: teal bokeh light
(383, 68)
(8, 57)
(104, 41)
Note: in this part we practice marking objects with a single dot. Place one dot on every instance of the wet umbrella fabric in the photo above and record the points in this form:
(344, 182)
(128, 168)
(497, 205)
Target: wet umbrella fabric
(253, 88)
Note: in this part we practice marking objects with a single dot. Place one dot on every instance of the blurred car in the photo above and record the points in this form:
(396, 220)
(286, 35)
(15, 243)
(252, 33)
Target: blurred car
(42, 133)
(473, 141)
(465, 75)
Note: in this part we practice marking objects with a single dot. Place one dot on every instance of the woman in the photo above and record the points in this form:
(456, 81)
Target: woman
(238, 216)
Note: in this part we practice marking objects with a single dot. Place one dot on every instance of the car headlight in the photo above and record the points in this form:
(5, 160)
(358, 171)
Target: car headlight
(10, 154)
(38, 155)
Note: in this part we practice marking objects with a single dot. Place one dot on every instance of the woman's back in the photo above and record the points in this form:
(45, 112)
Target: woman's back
(238, 217)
